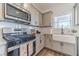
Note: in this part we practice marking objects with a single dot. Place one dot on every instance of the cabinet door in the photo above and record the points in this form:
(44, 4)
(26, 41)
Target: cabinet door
(57, 46)
(42, 42)
(3, 51)
(23, 50)
(69, 48)
(48, 41)
(76, 13)
(30, 48)
(37, 45)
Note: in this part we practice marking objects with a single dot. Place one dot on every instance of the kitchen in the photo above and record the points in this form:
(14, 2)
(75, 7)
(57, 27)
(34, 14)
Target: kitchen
(38, 29)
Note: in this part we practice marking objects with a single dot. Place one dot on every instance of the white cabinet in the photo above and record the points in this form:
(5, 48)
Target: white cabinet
(57, 46)
(42, 42)
(3, 50)
(39, 43)
(23, 49)
(36, 16)
(48, 41)
(30, 48)
(66, 48)
(76, 14)
(1, 11)
(26, 49)
(65, 44)
(47, 18)
(69, 49)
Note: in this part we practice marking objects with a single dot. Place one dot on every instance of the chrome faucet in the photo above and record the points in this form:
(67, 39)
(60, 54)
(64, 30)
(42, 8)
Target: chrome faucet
(62, 30)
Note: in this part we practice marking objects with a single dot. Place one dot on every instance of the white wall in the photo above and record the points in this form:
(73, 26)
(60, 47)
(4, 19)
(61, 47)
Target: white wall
(11, 25)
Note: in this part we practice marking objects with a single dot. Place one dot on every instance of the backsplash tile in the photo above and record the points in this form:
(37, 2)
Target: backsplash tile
(11, 25)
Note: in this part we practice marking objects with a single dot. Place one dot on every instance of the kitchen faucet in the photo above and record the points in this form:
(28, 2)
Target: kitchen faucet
(62, 30)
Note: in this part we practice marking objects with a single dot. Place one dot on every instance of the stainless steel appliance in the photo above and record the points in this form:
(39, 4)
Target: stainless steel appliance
(16, 38)
(15, 52)
(15, 13)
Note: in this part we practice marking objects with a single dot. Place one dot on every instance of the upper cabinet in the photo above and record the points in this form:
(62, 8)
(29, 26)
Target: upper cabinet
(1, 11)
(47, 18)
(76, 14)
(36, 16)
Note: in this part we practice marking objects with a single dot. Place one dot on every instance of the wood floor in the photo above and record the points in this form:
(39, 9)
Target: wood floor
(47, 52)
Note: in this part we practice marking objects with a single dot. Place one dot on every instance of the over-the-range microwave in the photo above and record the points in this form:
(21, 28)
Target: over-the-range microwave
(16, 13)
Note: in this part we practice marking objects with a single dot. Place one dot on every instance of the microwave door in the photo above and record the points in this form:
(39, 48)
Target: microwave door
(12, 12)
(9, 12)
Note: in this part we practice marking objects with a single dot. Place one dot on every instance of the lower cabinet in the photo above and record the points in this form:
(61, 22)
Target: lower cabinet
(57, 46)
(39, 44)
(66, 48)
(23, 50)
(42, 42)
(69, 48)
(3, 51)
(30, 48)
(48, 41)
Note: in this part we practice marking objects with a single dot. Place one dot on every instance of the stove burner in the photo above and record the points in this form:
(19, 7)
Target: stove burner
(13, 40)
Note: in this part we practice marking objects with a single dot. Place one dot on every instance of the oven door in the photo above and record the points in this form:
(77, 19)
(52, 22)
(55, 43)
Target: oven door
(15, 52)
(12, 12)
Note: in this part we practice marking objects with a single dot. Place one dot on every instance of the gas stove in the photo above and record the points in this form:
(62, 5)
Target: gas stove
(13, 40)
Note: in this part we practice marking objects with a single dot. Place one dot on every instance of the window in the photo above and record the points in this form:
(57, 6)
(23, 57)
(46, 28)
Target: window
(64, 21)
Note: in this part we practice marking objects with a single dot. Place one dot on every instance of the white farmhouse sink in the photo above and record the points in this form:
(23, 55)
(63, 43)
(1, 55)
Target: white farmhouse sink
(65, 38)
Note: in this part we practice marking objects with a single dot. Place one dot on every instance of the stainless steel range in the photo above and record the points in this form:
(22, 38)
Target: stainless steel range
(13, 40)
(17, 37)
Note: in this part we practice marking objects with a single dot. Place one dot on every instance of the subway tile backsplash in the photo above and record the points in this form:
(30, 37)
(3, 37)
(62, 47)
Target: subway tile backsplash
(11, 25)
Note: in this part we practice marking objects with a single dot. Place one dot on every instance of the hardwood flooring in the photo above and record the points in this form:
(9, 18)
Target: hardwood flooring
(47, 52)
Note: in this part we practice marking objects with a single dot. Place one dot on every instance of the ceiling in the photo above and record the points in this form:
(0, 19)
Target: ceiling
(55, 7)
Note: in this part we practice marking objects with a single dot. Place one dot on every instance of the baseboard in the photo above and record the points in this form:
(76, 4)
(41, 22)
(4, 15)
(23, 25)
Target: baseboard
(57, 51)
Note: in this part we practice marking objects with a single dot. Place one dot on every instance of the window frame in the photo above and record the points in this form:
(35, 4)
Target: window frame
(66, 15)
